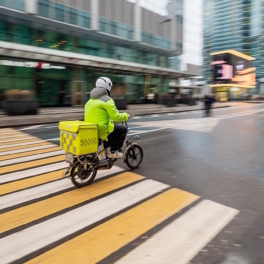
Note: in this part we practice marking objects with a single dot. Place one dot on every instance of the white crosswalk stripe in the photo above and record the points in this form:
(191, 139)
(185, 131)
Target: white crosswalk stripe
(38, 236)
(4, 153)
(15, 139)
(32, 172)
(44, 190)
(31, 158)
(199, 125)
(23, 144)
(13, 136)
(187, 235)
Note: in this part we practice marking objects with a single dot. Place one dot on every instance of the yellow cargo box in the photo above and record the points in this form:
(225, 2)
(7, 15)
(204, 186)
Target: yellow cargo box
(78, 137)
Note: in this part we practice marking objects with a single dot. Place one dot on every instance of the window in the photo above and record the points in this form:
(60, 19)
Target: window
(21, 34)
(102, 24)
(59, 12)
(15, 4)
(86, 20)
(19, 5)
(122, 31)
(131, 34)
(43, 8)
(73, 16)
(4, 30)
(113, 28)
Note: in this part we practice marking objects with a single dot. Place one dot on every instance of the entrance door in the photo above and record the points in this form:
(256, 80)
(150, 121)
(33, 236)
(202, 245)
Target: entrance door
(78, 93)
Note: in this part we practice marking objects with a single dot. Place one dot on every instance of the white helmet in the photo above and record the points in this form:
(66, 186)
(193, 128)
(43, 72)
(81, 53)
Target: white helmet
(104, 82)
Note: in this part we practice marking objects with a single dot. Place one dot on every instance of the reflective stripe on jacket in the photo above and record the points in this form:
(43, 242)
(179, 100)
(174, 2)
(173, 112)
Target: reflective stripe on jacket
(101, 110)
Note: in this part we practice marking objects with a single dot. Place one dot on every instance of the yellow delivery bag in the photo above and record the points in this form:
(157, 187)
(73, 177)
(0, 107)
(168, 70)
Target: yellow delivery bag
(78, 137)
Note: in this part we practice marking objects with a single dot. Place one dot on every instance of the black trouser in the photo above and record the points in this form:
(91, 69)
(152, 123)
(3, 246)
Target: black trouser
(207, 109)
(116, 138)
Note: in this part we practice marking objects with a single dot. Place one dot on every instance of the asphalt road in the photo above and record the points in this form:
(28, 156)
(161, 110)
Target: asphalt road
(216, 162)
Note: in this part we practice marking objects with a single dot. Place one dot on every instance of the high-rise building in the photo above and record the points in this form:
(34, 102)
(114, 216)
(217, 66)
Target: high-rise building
(234, 25)
(54, 47)
(192, 59)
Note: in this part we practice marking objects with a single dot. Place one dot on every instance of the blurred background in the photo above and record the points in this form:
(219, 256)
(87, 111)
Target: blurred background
(55, 50)
(155, 51)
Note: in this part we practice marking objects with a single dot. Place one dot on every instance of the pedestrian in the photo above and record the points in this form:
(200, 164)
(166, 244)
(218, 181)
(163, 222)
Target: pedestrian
(208, 101)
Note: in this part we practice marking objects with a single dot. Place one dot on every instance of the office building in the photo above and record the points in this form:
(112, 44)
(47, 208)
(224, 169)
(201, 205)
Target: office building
(63, 46)
(234, 26)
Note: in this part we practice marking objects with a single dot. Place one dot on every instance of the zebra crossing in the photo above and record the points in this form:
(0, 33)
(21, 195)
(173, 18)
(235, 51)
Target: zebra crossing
(44, 218)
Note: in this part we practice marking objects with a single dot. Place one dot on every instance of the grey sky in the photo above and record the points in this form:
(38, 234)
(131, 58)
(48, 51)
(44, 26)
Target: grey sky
(157, 6)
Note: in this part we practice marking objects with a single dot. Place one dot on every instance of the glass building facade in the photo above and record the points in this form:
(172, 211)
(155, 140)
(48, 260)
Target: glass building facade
(46, 28)
(234, 25)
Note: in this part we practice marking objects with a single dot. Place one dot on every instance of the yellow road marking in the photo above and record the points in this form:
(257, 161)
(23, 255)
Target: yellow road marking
(12, 134)
(24, 154)
(30, 182)
(3, 137)
(8, 130)
(55, 204)
(112, 235)
(18, 141)
(26, 146)
(26, 165)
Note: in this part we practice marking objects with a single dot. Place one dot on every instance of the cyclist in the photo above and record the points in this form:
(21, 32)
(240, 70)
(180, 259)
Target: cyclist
(101, 110)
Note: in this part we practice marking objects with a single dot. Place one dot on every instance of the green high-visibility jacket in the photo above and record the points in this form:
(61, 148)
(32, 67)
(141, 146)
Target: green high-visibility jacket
(101, 110)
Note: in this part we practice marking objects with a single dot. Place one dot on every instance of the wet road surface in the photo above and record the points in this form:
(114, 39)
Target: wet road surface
(196, 198)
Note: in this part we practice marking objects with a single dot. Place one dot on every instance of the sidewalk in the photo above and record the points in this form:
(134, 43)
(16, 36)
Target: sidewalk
(52, 115)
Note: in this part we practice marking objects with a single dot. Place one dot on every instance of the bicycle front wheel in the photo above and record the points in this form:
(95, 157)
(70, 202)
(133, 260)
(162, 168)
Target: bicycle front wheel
(134, 156)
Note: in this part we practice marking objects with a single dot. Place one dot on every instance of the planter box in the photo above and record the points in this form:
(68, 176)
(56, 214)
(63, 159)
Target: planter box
(12, 107)
(188, 101)
(170, 102)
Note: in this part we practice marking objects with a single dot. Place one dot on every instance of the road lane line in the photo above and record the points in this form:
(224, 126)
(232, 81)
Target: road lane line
(52, 127)
(23, 145)
(53, 139)
(119, 231)
(32, 172)
(130, 128)
(147, 131)
(26, 165)
(32, 157)
(31, 127)
(29, 213)
(181, 240)
(25, 151)
(22, 243)
(27, 195)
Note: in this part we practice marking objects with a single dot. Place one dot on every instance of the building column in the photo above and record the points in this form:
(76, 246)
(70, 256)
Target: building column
(173, 25)
(94, 15)
(31, 6)
(138, 21)
(160, 89)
